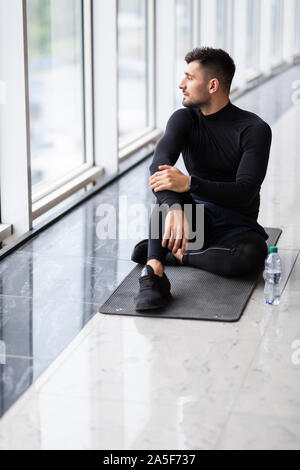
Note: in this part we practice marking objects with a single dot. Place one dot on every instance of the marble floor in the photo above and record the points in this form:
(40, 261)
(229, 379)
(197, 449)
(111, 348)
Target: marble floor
(71, 378)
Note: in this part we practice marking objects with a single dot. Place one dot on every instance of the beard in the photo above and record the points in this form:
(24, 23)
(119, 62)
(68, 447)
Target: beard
(189, 103)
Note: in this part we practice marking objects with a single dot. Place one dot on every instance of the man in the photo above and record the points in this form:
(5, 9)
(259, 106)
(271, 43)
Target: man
(226, 152)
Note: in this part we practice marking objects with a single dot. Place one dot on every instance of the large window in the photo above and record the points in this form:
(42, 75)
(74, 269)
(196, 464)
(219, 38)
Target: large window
(133, 70)
(222, 24)
(253, 36)
(55, 53)
(183, 39)
(103, 80)
(276, 31)
(297, 27)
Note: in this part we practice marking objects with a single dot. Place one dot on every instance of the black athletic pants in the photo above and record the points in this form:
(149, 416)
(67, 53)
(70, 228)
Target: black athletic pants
(241, 254)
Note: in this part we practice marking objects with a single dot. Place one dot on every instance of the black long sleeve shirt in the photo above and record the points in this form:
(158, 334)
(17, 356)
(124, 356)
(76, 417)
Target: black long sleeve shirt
(226, 153)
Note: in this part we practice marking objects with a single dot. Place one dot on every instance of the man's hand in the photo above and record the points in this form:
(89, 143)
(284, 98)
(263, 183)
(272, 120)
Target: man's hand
(176, 231)
(169, 178)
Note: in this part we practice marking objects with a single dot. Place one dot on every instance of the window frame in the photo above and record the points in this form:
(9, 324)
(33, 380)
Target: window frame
(296, 51)
(14, 116)
(101, 109)
(145, 136)
(46, 198)
(252, 73)
(179, 77)
(277, 61)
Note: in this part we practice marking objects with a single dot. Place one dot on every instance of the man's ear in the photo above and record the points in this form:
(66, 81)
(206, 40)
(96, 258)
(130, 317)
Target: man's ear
(214, 85)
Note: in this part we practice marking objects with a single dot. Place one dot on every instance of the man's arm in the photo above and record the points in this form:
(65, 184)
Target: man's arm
(256, 143)
(169, 148)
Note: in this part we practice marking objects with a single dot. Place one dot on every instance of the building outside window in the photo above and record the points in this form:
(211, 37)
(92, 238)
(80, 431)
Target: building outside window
(276, 31)
(297, 27)
(56, 91)
(253, 37)
(133, 113)
(183, 38)
(222, 24)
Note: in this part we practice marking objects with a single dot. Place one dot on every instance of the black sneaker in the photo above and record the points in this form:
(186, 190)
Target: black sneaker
(154, 290)
(140, 254)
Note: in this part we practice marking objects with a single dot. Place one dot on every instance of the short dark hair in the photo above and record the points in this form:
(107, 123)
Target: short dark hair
(217, 63)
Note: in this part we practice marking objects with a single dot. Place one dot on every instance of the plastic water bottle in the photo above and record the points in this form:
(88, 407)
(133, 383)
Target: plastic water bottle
(272, 276)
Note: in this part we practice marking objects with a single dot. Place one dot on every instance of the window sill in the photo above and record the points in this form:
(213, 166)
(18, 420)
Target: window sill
(6, 231)
(133, 147)
(253, 75)
(296, 57)
(278, 65)
(41, 190)
(44, 202)
(50, 219)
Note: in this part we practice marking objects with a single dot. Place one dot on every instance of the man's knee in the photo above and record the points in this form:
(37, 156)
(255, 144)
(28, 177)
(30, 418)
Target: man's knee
(253, 255)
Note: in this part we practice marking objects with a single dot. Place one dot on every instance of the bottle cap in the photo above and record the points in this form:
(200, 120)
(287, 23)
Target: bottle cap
(273, 249)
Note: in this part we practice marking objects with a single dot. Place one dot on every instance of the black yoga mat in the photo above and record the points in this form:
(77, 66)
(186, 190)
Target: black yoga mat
(197, 294)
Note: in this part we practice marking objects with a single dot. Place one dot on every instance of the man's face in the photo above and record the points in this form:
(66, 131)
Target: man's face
(194, 86)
